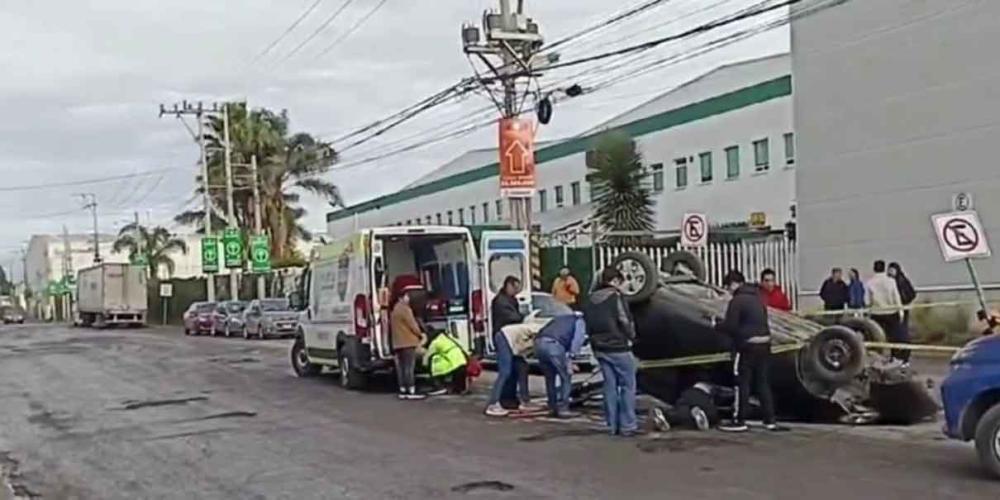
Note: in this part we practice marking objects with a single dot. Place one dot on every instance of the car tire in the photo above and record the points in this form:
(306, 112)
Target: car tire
(246, 333)
(870, 330)
(300, 362)
(988, 440)
(684, 262)
(350, 376)
(227, 331)
(641, 276)
(836, 355)
(187, 332)
(260, 332)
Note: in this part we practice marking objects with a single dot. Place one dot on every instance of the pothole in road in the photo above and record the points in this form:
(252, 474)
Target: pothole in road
(135, 405)
(482, 486)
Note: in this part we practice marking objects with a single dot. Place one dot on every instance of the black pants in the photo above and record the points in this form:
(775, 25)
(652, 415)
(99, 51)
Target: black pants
(750, 368)
(406, 360)
(896, 330)
(455, 382)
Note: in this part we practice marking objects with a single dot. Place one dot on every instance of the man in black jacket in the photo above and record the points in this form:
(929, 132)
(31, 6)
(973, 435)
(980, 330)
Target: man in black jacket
(834, 291)
(510, 389)
(747, 324)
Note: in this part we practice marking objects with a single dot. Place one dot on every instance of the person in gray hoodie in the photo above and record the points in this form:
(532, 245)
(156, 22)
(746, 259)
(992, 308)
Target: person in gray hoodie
(611, 330)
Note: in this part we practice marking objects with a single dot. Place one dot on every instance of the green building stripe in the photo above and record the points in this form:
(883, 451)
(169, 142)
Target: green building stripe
(724, 103)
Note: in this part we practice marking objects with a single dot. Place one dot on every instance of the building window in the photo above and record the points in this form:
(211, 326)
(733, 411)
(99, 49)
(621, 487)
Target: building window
(439, 218)
(682, 172)
(789, 149)
(499, 210)
(732, 162)
(486, 213)
(657, 177)
(451, 219)
(761, 155)
(461, 217)
(705, 160)
(542, 205)
(559, 196)
(574, 193)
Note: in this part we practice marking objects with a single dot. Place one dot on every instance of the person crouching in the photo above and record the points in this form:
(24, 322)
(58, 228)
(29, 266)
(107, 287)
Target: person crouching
(447, 361)
(556, 342)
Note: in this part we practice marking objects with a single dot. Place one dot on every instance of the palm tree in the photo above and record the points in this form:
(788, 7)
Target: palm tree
(622, 196)
(288, 165)
(156, 245)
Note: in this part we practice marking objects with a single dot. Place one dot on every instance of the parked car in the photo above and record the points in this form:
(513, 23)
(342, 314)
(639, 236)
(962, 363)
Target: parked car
(818, 372)
(198, 318)
(971, 397)
(269, 317)
(228, 317)
(11, 315)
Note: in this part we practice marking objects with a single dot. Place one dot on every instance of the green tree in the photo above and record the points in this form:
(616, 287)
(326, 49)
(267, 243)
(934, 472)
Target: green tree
(157, 245)
(621, 192)
(288, 166)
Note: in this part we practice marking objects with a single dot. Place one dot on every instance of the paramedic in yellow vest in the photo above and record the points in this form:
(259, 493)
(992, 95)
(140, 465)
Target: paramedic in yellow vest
(447, 362)
(565, 289)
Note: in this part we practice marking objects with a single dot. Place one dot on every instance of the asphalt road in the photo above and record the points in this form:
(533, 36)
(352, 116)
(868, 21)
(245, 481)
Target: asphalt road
(153, 414)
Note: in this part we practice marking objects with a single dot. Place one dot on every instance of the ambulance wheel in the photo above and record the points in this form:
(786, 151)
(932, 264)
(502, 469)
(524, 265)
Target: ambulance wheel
(300, 361)
(350, 376)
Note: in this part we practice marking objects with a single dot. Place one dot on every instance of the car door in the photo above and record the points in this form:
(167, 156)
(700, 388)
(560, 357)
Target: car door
(503, 254)
(251, 318)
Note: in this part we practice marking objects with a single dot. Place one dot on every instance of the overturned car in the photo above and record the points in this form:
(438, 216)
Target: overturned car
(818, 373)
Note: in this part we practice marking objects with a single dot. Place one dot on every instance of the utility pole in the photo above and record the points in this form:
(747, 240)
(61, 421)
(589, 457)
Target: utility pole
(67, 271)
(139, 250)
(234, 287)
(515, 40)
(257, 219)
(199, 113)
(90, 202)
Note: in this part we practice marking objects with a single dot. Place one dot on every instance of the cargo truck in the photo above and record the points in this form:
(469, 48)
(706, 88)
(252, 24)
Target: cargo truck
(111, 294)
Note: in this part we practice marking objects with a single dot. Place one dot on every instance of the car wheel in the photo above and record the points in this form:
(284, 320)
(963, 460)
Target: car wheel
(260, 332)
(988, 440)
(868, 328)
(835, 355)
(246, 333)
(350, 376)
(640, 276)
(682, 262)
(187, 331)
(226, 331)
(300, 361)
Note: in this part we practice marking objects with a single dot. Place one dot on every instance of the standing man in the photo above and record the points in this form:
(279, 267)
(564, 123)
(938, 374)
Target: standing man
(882, 296)
(505, 311)
(611, 330)
(565, 288)
(747, 324)
(771, 292)
(907, 294)
(834, 291)
(556, 342)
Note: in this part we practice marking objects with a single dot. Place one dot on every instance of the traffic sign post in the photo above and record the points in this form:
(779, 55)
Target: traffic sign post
(232, 248)
(210, 255)
(260, 254)
(694, 230)
(962, 237)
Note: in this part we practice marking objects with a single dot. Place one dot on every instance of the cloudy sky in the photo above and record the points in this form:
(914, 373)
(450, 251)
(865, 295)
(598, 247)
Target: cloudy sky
(83, 81)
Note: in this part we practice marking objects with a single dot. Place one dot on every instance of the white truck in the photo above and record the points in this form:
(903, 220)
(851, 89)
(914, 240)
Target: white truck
(346, 293)
(111, 294)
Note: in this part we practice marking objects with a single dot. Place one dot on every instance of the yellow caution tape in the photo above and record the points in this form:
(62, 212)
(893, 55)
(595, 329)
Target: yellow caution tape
(912, 347)
(923, 305)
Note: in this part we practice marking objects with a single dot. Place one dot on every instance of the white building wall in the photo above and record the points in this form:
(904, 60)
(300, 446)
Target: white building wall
(723, 199)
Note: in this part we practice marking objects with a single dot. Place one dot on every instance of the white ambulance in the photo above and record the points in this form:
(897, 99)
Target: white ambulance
(346, 293)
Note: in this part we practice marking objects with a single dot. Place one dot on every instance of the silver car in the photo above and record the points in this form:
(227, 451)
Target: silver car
(269, 317)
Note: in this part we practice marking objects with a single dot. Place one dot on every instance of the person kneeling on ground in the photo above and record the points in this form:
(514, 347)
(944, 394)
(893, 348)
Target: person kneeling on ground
(556, 342)
(407, 337)
(695, 408)
(447, 361)
(746, 323)
(612, 331)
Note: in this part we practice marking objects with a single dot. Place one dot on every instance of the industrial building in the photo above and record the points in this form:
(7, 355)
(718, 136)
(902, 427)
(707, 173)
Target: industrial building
(721, 144)
(897, 112)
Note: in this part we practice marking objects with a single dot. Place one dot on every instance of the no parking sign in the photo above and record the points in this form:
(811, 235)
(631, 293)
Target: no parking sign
(694, 230)
(961, 236)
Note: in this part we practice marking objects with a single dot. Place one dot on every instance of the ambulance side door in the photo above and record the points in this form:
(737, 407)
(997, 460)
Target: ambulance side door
(503, 254)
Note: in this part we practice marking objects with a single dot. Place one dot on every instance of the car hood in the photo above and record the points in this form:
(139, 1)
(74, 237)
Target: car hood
(280, 316)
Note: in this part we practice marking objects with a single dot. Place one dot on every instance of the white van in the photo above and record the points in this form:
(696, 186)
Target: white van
(345, 294)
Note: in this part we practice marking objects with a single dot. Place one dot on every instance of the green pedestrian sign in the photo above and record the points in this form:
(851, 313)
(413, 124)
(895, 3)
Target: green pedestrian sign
(260, 254)
(210, 254)
(232, 247)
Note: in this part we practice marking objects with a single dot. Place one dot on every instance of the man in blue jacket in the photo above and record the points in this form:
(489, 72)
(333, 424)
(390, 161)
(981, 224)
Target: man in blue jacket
(559, 339)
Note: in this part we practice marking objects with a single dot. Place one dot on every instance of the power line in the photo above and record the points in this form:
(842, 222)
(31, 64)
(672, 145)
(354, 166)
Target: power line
(352, 29)
(326, 23)
(287, 31)
(97, 180)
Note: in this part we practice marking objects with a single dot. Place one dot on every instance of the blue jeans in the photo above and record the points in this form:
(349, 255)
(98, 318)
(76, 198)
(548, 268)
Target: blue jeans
(618, 369)
(554, 362)
(507, 363)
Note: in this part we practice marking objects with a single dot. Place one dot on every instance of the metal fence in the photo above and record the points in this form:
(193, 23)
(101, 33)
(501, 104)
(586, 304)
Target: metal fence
(750, 257)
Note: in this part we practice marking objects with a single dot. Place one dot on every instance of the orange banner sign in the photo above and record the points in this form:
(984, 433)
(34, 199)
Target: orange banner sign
(517, 158)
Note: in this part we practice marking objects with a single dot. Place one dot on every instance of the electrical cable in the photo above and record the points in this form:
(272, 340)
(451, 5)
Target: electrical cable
(326, 23)
(84, 182)
(287, 31)
(352, 29)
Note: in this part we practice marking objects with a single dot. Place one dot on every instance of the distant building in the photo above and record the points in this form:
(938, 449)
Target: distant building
(720, 144)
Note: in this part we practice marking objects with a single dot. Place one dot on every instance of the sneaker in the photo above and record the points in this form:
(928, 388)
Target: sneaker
(700, 418)
(495, 410)
(528, 407)
(633, 433)
(659, 419)
(403, 395)
(416, 397)
(438, 392)
(776, 427)
(734, 427)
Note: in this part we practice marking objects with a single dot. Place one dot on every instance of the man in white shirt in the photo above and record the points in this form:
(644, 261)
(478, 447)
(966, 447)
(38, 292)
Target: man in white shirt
(882, 296)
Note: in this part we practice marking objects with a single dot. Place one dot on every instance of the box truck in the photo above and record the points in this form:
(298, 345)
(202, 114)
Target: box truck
(111, 294)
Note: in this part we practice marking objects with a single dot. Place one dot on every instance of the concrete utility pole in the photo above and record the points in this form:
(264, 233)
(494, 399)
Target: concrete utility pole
(90, 200)
(234, 286)
(67, 272)
(199, 113)
(258, 222)
(515, 39)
